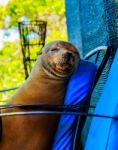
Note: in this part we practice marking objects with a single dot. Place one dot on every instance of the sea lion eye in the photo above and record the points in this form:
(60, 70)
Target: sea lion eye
(54, 49)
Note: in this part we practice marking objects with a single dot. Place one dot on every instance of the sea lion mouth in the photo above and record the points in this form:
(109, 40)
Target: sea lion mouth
(58, 72)
(64, 68)
(52, 73)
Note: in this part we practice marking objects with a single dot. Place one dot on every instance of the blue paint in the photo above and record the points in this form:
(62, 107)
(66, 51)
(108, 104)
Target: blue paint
(73, 23)
(86, 24)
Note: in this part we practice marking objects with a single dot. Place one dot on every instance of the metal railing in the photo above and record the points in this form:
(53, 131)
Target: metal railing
(32, 36)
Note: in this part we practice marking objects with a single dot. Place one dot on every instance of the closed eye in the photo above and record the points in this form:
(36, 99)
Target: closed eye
(54, 49)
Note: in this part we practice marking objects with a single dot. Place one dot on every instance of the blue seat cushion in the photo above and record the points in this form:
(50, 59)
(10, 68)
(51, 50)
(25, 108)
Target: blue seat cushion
(79, 89)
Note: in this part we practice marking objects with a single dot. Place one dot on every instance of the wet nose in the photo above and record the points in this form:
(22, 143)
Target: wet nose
(67, 56)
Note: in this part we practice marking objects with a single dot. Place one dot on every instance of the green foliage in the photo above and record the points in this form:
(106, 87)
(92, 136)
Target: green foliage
(11, 66)
(33, 9)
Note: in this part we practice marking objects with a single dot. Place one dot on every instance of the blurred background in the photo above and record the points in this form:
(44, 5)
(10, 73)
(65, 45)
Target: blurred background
(14, 11)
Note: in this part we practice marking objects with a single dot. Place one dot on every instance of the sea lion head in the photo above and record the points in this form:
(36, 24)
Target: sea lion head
(59, 59)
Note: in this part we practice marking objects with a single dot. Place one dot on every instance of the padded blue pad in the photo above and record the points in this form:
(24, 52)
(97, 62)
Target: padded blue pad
(79, 88)
(103, 134)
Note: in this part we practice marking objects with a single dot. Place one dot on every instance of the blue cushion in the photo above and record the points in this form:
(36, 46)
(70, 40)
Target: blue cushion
(103, 134)
(79, 88)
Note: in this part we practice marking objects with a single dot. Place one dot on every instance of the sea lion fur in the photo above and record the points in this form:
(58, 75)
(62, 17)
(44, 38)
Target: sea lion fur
(46, 85)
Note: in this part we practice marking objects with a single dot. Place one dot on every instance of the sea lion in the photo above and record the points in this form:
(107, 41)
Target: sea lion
(45, 85)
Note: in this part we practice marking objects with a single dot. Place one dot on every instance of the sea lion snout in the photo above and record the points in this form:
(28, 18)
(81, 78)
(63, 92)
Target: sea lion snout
(67, 62)
(67, 56)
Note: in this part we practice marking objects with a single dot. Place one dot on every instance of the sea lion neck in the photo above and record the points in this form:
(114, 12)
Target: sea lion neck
(42, 76)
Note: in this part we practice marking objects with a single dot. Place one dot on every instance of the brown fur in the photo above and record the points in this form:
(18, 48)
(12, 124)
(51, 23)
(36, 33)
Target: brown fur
(36, 132)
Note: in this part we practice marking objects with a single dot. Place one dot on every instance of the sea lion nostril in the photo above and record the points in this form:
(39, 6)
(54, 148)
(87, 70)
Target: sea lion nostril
(67, 56)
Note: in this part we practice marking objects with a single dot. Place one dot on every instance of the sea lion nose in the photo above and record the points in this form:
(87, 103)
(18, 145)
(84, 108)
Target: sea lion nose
(67, 56)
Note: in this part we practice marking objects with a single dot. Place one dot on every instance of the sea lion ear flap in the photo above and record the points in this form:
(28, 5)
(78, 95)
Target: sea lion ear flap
(78, 55)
